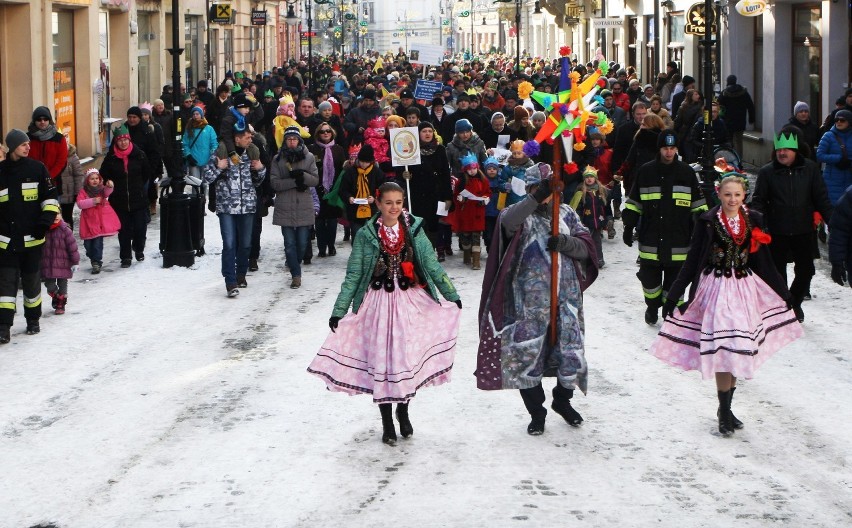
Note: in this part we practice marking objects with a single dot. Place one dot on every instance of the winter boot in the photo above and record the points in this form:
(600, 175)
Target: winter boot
(449, 251)
(737, 424)
(534, 402)
(651, 315)
(5, 336)
(610, 229)
(241, 281)
(405, 428)
(616, 209)
(33, 327)
(726, 422)
(562, 405)
(54, 299)
(441, 254)
(475, 258)
(253, 265)
(388, 428)
(467, 255)
(96, 267)
(232, 290)
(60, 305)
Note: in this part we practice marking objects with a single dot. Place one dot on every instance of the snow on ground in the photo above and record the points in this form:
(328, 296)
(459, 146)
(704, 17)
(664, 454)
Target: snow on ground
(155, 401)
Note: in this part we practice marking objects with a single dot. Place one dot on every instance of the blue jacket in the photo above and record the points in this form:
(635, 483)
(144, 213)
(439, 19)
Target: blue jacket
(200, 147)
(498, 185)
(840, 241)
(829, 152)
(516, 171)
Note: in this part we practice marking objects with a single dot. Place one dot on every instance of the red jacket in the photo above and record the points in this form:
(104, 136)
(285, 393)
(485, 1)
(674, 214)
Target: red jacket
(470, 214)
(622, 101)
(603, 164)
(53, 153)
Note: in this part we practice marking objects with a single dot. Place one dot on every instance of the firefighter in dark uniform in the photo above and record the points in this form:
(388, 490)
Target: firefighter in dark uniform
(665, 196)
(28, 206)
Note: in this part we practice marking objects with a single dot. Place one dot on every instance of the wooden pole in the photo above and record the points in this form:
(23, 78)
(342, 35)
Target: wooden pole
(556, 185)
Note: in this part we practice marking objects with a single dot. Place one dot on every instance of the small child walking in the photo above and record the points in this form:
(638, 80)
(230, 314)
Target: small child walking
(59, 259)
(470, 210)
(590, 204)
(97, 217)
(496, 204)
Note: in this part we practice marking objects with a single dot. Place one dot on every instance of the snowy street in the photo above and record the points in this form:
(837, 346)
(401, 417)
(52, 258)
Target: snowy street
(155, 401)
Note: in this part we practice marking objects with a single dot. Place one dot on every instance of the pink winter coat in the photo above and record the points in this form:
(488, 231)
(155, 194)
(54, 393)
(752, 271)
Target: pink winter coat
(97, 220)
(59, 253)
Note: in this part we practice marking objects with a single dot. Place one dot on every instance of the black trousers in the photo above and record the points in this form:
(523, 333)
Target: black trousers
(800, 247)
(23, 267)
(256, 230)
(656, 281)
(134, 230)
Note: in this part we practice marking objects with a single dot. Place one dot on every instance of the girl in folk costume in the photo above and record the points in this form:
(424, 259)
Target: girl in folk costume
(469, 215)
(286, 118)
(97, 218)
(515, 351)
(399, 336)
(516, 167)
(737, 314)
(590, 204)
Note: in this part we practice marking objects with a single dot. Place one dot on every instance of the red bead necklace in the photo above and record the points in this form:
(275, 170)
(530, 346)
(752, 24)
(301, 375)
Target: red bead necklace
(740, 237)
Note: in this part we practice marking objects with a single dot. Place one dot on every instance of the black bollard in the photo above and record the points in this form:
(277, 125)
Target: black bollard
(175, 229)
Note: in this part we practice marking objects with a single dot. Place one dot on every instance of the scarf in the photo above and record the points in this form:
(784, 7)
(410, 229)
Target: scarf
(327, 165)
(94, 190)
(363, 191)
(241, 119)
(293, 155)
(43, 135)
(199, 125)
(124, 155)
(427, 149)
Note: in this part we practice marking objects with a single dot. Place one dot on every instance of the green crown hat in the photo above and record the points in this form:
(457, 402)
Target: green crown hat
(121, 131)
(236, 88)
(786, 141)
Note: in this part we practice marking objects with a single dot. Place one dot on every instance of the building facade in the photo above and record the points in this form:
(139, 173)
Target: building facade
(90, 60)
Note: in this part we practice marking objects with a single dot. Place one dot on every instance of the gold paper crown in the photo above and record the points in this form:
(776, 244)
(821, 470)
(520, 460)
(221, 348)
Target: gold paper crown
(517, 145)
(590, 171)
(786, 141)
(286, 99)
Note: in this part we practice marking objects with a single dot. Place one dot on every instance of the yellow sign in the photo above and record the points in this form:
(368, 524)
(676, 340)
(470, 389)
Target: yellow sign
(696, 20)
(221, 14)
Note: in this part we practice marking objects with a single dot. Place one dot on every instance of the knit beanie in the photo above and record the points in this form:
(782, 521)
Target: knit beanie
(521, 113)
(425, 124)
(731, 80)
(801, 106)
(463, 125)
(134, 110)
(667, 138)
(325, 105)
(197, 109)
(292, 131)
(366, 154)
(400, 122)
(42, 111)
(15, 138)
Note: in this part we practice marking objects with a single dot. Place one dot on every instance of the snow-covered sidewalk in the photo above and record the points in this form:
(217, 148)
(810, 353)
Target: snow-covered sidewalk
(155, 401)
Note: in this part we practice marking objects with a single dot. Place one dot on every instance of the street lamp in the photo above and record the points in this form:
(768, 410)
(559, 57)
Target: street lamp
(294, 21)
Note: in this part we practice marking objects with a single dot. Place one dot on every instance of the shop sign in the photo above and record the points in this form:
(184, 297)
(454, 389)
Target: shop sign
(750, 8)
(258, 17)
(696, 21)
(63, 101)
(222, 14)
(607, 23)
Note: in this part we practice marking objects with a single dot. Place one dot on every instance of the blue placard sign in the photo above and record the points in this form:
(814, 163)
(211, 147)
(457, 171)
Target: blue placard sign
(427, 89)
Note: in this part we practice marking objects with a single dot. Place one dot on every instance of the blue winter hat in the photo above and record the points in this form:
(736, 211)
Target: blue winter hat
(463, 125)
(490, 161)
(197, 109)
(292, 131)
(469, 161)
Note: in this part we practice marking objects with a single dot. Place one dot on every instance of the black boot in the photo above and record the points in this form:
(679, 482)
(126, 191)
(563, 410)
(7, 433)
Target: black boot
(405, 428)
(737, 424)
(5, 336)
(388, 428)
(33, 327)
(651, 315)
(562, 405)
(726, 424)
(534, 402)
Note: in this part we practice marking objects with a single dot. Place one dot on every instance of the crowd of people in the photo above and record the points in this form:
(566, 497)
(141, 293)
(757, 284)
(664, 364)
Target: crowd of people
(312, 142)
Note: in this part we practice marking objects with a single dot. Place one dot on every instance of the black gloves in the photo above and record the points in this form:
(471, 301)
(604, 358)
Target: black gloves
(543, 191)
(628, 236)
(838, 273)
(669, 308)
(299, 176)
(332, 323)
(39, 231)
(553, 242)
(458, 303)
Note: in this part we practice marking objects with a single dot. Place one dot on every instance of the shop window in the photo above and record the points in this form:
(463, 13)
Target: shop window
(229, 49)
(145, 35)
(63, 73)
(807, 60)
(676, 37)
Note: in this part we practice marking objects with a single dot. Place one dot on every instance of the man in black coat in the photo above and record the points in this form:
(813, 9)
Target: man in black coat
(625, 133)
(144, 136)
(789, 190)
(688, 83)
(463, 111)
(738, 106)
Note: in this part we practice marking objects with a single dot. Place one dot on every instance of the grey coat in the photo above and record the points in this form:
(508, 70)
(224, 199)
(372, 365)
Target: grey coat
(293, 208)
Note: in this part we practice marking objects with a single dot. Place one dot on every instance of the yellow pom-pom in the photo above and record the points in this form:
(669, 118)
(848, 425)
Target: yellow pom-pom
(575, 76)
(525, 89)
(606, 128)
(579, 146)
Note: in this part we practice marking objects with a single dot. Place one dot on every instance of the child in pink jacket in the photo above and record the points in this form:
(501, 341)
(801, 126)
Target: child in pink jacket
(97, 217)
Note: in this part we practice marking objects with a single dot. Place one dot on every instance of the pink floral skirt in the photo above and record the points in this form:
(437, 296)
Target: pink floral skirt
(397, 343)
(732, 325)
